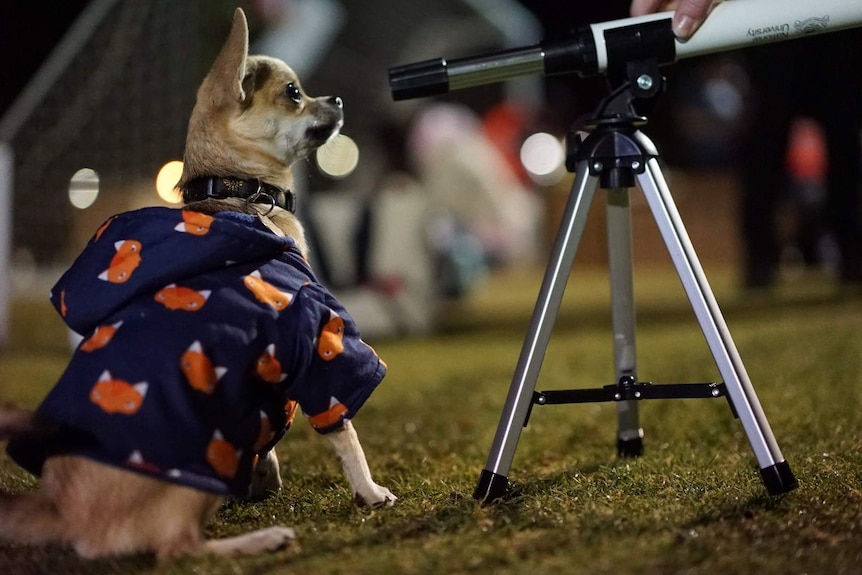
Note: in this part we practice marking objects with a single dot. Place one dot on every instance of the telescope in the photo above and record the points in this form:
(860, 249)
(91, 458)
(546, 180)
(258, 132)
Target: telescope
(608, 150)
(603, 47)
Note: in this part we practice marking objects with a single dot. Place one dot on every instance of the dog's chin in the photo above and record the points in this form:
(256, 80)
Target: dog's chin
(336, 132)
(322, 134)
(299, 144)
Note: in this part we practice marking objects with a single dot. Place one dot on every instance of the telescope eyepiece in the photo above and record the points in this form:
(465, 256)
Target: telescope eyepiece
(419, 80)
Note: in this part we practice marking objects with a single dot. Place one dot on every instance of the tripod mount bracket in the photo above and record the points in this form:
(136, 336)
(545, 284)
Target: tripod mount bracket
(610, 140)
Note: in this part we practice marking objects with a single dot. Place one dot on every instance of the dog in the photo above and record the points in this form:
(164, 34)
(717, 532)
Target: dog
(207, 332)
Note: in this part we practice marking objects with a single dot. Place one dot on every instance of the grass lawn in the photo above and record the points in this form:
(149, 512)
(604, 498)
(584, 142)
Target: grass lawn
(694, 503)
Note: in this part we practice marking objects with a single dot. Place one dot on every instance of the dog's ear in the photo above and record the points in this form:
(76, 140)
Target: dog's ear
(225, 77)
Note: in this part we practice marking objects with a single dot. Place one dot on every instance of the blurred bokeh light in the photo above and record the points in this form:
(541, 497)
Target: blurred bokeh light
(338, 157)
(166, 181)
(84, 188)
(543, 157)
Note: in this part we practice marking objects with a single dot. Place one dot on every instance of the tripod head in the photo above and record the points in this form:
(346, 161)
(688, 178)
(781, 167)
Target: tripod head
(610, 46)
(615, 149)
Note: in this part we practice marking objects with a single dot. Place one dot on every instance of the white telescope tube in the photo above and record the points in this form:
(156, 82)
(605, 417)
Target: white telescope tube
(737, 24)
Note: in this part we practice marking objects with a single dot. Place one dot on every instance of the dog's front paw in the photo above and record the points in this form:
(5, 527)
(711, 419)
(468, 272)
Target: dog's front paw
(374, 497)
(266, 478)
(266, 539)
(269, 539)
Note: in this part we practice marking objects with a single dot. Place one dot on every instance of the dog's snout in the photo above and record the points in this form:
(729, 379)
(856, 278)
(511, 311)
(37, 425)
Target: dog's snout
(337, 101)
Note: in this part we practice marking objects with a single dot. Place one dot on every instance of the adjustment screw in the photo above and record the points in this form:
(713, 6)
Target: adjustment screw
(598, 166)
(637, 395)
(715, 393)
(644, 81)
(636, 165)
(617, 396)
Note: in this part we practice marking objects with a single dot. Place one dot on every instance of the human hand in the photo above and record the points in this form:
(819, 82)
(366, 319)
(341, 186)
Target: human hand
(687, 17)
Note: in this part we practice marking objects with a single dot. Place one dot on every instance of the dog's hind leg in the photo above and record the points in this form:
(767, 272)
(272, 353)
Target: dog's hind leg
(29, 518)
(267, 539)
(15, 422)
(349, 452)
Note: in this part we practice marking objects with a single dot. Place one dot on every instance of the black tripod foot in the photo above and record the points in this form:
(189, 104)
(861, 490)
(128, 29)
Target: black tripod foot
(491, 487)
(630, 447)
(778, 478)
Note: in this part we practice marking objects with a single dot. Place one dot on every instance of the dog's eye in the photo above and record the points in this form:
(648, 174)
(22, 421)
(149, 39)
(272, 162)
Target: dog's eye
(293, 93)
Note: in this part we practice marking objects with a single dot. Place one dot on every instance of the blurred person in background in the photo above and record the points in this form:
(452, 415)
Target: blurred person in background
(803, 88)
(792, 85)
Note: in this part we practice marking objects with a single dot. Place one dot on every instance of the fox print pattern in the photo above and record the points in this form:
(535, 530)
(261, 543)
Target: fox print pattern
(125, 261)
(176, 297)
(194, 223)
(118, 396)
(330, 343)
(330, 417)
(265, 292)
(268, 367)
(222, 456)
(101, 337)
(266, 434)
(199, 369)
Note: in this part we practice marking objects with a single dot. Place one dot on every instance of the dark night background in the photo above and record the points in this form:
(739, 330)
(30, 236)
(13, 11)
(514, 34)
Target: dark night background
(29, 30)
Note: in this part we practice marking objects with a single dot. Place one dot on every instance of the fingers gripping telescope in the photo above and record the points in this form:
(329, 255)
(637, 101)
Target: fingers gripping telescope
(599, 48)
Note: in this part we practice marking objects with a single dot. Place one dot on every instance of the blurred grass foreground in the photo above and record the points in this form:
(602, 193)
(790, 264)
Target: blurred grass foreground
(694, 503)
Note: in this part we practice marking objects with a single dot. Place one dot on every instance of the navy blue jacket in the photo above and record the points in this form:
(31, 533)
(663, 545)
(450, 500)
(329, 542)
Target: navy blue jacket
(203, 334)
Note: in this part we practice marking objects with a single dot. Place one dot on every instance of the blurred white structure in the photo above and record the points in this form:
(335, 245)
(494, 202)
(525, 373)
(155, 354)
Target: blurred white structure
(6, 164)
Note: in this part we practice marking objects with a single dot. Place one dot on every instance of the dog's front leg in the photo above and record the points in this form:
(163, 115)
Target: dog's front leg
(266, 478)
(349, 452)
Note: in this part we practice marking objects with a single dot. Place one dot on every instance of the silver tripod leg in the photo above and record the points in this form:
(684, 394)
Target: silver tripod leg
(493, 483)
(774, 470)
(629, 434)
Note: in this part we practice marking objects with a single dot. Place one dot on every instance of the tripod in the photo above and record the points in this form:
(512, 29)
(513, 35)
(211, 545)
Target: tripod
(614, 154)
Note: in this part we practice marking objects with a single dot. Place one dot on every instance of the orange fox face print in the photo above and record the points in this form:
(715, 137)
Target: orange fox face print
(222, 456)
(199, 369)
(101, 337)
(176, 297)
(265, 292)
(124, 262)
(331, 416)
(194, 223)
(330, 343)
(265, 434)
(118, 396)
(268, 367)
(103, 227)
(290, 411)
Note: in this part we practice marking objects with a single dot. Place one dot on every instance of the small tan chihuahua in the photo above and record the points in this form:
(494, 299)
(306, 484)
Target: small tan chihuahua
(207, 330)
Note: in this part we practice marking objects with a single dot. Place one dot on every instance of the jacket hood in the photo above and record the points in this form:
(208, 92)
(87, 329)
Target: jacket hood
(137, 253)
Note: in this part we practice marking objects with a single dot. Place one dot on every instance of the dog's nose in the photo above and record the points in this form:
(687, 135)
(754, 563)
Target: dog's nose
(337, 101)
